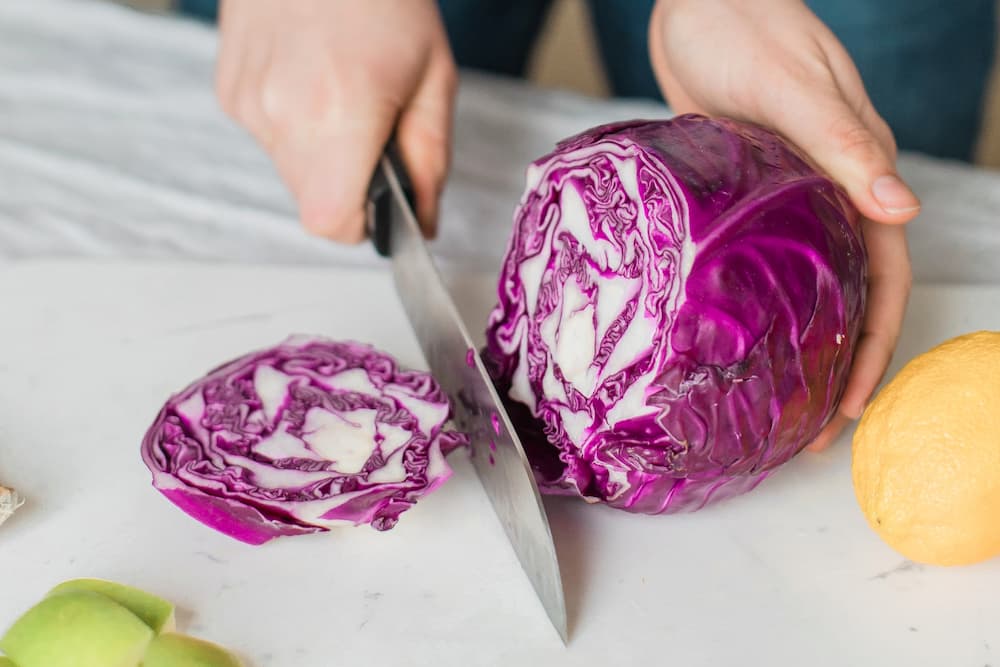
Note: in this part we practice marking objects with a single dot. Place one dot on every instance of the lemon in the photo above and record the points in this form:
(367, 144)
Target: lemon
(926, 454)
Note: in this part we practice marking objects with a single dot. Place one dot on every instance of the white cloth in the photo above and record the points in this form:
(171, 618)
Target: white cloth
(112, 145)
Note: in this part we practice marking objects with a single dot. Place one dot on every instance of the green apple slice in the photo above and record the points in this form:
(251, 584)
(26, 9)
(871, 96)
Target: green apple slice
(77, 629)
(174, 650)
(154, 611)
(6, 662)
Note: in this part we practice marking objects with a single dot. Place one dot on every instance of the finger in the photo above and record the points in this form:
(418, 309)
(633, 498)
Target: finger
(870, 362)
(249, 90)
(883, 133)
(829, 433)
(424, 137)
(228, 62)
(673, 92)
(329, 168)
(840, 142)
(848, 81)
(888, 291)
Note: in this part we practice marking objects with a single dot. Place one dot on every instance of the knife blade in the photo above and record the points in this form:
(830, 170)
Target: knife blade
(497, 454)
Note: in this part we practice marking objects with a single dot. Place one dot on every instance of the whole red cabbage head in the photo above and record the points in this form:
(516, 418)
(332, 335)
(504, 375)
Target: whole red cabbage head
(678, 311)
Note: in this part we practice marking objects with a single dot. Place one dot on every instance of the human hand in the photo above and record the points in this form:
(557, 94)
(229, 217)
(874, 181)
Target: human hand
(322, 85)
(774, 63)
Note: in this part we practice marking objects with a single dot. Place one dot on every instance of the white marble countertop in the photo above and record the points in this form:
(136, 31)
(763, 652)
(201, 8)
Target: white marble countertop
(789, 574)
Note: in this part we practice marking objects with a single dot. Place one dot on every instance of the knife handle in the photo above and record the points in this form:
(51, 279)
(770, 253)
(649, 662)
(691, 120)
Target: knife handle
(379, 208)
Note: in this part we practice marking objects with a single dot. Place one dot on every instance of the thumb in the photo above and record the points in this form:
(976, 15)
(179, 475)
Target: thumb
(852, 153)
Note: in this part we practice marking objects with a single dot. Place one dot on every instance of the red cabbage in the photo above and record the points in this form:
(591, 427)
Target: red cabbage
(678, 310)
(301, 437)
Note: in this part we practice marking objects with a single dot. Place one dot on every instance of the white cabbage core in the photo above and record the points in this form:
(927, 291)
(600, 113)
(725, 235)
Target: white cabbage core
(587, 308)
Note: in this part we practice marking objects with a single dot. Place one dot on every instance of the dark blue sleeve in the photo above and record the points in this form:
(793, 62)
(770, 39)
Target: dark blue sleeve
(925, 63)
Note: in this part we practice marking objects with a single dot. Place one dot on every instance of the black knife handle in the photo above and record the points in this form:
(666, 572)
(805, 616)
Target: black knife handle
(380, 199)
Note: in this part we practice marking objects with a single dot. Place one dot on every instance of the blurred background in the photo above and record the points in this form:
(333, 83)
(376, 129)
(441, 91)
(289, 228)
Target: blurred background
(566, 57)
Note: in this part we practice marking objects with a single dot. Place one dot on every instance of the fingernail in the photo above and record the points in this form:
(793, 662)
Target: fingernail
(894, 196)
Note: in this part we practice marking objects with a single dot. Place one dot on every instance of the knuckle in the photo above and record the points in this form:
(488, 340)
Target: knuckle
(906, 279)
(880, 129)
(435, 162)
(451, 78)
(332, 224)
(285, 102)
(854, 139)
(890, 141)
(274, 100)
(318, 224)
(225, 93)
(246, 110)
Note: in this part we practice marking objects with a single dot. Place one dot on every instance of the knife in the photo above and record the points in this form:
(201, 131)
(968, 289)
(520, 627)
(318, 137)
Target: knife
(497, 454)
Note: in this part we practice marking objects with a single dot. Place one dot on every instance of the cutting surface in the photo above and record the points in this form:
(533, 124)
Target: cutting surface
(787, 575)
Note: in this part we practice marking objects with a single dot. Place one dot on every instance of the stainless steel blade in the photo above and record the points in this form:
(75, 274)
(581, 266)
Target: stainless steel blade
(497, 454)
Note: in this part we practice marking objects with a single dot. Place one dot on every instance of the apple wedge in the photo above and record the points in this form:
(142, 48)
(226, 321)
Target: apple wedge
(154, 611)
(173, 650)
(77, 629)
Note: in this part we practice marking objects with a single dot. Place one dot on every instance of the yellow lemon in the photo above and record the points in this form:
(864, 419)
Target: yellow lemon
(926, 454)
